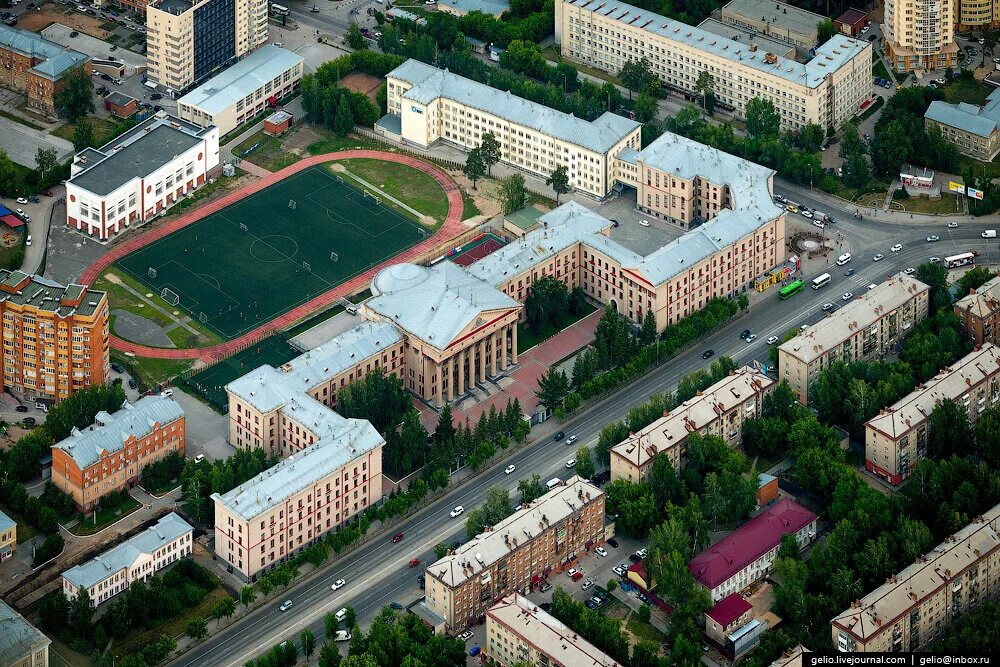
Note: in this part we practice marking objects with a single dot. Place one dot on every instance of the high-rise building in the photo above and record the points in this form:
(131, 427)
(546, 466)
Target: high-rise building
(189, 40)
(55, 337)
(920, 34)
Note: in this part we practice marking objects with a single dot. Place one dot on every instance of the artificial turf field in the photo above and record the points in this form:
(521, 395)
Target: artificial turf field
(259, 258)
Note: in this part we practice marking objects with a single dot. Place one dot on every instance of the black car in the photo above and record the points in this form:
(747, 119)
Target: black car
(106, 77)
(612, 542)
(591, 604)
(559, 436)
(156, 96)
(849, 272)
(746, 332)
(28, 421)
(21, 408)
(132, 384)
(74, 33)
(634, 558)
(117, 368)
(395, 605)
(707, 354)
(34, 199)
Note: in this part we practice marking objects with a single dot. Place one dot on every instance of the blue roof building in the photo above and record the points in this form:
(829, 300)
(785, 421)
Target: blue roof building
(46, 62)
(974, 130)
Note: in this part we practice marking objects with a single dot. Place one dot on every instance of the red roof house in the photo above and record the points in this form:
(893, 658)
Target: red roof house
(752, 546)
(729, 609)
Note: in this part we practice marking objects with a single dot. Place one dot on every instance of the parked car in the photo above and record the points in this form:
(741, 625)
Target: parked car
(570, 572)
(612, 542)
(587, 584)
(132, 384)
(395, 605)
(644, 223)
(641, 553)
(909, 271)
(156, 96)
(634, 558)
(465, 636)
(577, 577)
(74, 33)
(620, 570)
(28, 421)
(601, 551)
(21, 408)
(199, 458)
(474, 651)
(544, 587)
(22, 200)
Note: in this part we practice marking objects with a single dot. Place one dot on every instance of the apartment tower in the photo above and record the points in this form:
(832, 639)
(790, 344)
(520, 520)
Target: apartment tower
(920, 34)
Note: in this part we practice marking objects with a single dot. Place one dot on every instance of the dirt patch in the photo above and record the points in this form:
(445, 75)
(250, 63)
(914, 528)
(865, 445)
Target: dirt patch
(49, 14)
(485, 194)
(360, 82)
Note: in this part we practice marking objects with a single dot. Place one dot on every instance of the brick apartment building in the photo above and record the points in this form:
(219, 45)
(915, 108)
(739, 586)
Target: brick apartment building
(720, 411)
(896, 438)
(35, 67)
(912, 609)
(110, 454)
(979, 313)
(55, 337)
(864, 329)
(516, 554)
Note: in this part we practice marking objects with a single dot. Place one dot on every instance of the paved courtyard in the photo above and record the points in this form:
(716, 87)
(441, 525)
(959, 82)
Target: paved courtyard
(22, 143)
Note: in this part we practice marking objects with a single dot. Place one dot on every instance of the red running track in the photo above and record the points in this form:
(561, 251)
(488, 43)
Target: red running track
(452, 227)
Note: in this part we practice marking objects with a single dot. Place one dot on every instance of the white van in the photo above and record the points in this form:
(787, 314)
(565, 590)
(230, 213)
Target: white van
(553, 483)
(844, 259)
(990, 234)
(342, 614)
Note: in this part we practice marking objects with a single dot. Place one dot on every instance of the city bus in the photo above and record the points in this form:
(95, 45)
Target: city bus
(791, 288)
(822, 280)
(960, 260)
(278, 10)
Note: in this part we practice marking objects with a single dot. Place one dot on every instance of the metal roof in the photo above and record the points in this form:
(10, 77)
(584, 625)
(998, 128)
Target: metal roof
(19, 639)
(982, 301)
(47, 295)
(55, 58)
(435, 303)
(828, 58)
(233, 84)
(747, 36)
(430, 83)
(782, 15)
(980, 121)
(491, 7)
(340, 441)
(6, 522)
(110, 432)
(96, 570)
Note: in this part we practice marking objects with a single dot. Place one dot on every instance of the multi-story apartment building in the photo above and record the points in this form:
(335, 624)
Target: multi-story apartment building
(976, 15)
(914, 608)
(746, 555)
(139, 174)
(135, 559)
(21, 643)
(243, 91)
(896, 438)
(777, 20)
(35, 67)
(8, 537)
(975, 130)
(678, 180)
(55, 337)
(110, 454)
(426, 104)
(189, 40)
(827, 90)
(979, 313)
(518, 632)
(516, 554)
(334, 474)
(719, 410)
(864, 329)
(920, 34)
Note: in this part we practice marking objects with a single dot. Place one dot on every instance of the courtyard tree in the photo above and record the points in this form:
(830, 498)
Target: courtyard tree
(811, 137)
(355, 39)
(76, 99)
(645, 107)
(83, 135)
(45, 161)
(636, 75)
(512, 194)
(825, 29)
(552, 388)
(489, 147)
(475, 167)
(706, 86)
(584, 463)
(558, 180)
(762, 121)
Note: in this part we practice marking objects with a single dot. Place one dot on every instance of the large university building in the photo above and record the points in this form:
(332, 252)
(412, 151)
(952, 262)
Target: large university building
(827, 90)
(427, 104)
(515, 555)
(139, 174)
(55, 337)
(865, 329)
(914, 608)
(719, 410)
(896, 438)
(110, 454)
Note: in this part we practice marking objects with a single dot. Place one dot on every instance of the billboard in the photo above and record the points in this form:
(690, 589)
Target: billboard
(975, 194)
(956, 187)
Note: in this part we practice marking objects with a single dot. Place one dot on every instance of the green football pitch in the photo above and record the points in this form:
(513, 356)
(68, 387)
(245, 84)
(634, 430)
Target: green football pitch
(278, 248)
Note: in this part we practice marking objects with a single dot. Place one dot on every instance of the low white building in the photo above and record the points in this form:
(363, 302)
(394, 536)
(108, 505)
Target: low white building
(239, 93)
(426, 104)
(139, 174)
(137, 558)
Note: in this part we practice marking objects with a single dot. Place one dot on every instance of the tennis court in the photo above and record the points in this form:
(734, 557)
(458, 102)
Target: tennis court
(476, 249)
(272, 251)
(211, 382)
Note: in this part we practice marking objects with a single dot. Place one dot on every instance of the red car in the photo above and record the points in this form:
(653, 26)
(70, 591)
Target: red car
(577, 576)
(398, 537)
(415, 562)
(47, 193)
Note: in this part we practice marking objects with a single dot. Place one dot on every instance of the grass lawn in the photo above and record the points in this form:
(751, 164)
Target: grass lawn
(991, 168)
(947, 204)
(333, 143)
(469, 208)
(644, 631)
(873, 107)
(967, 90)
(150, 372)
(527, 338)
(411, 186)
(105, 517)
(175, 626)
(13, 257)
(269, 154)
(878, 68)
(25, 531)
(103, 130)
(552, 53)
(21, 121)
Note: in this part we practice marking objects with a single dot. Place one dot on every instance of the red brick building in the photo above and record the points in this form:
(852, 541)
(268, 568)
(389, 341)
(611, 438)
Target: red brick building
(851, 22)
(34, 66)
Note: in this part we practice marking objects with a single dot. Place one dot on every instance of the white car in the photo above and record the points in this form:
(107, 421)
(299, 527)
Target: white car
(620, 570)
(934, 260)
(827, 307)
(465, 636)
(771, 340)
(571, 439)
(457, 511)
(22, 200)
(878, 258)
(601, 551)
(286, 605)
(570, 572)
(932, 238)
(806, 213)
(953, 225)
(751, 338)
(847, 296)
(910, 271)
(199, 458)
(587, 584)
(509, 469)
(644, 223)
(817, 223)
(641, 553)
(570, 463)
(339, 583)
(896, 248)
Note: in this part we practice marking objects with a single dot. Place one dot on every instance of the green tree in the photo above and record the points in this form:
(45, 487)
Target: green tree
(949, 431)
(45, 161)
(811, 137)
(512, 194)
(329, 655)
(474, 168)
(634, 504)
(83, 135)
(850, 140)
(891, 147)
(355, 39)
(247, 596)
(706, 86)
(308, 642)
(825, 29)
(530, 488)
(81, 613)
(224, 608)
(196, 628)
(647, 334)
(762, 121)
(856, 171)
(646, 107)
(584, 463)
(489, 147)
(935, 276)
(552, 388)
(76, 98)
(636, 75)
(558, 180)
(642, 614)
(974, 279)
(343, 121)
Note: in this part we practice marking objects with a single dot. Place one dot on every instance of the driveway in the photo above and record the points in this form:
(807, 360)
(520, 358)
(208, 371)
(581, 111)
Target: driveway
(22, 142)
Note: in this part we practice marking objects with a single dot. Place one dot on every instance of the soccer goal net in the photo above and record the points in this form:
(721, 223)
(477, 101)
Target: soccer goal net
(378, 200)
(151, 272)
(170, 296)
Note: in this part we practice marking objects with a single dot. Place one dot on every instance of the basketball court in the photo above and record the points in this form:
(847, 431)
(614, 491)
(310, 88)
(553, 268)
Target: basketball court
(476, 249)
(272, 251)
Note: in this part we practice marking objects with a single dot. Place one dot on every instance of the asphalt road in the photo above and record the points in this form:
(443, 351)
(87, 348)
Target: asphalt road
(377, 573)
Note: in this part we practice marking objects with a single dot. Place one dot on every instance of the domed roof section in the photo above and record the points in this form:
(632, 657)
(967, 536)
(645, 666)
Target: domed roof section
(398, 277)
